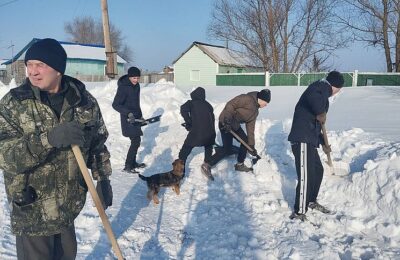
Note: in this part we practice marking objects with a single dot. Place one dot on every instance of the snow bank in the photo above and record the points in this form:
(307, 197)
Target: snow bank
(242, 215)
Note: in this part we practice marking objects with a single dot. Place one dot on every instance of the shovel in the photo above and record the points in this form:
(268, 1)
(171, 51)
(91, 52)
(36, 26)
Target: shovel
(340, 168)
(96, 200)
(251, 150)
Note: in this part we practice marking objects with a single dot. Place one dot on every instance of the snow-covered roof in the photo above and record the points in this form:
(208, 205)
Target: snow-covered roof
(2, 67)
(222, 55)
(74, 51)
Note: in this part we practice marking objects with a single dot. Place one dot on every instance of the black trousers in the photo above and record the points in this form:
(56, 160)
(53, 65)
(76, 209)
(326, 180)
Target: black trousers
(132, 152)
(61, 246)
(227, 142)
(187, 149)
(309, 175)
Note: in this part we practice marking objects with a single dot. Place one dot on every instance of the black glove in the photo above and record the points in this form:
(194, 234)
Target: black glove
(104, 190)
(131, 118)
(227, 125)
(254, 152)
(66, 134)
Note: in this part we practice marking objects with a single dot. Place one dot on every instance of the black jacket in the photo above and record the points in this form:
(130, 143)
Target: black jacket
(127, 100)
(199, 114)
(314, 101)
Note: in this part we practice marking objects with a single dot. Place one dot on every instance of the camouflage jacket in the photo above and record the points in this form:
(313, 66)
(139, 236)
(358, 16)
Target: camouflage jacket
(27, 158)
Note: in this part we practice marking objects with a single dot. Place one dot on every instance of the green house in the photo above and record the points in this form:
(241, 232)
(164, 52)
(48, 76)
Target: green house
(201, 62)
(84, 61)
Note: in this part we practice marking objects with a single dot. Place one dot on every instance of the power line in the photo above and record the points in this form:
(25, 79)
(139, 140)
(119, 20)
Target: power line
(9, 2)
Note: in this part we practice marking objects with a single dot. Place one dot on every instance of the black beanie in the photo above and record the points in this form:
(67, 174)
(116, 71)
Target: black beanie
(133, 72)
(335, 78)
(265, 95)
(50, 52)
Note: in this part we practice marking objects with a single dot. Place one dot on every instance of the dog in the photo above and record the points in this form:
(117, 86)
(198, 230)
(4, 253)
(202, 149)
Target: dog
(167, 179)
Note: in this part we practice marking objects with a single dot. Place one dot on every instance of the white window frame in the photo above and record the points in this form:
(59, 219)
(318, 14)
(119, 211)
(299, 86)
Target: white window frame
(192, 75)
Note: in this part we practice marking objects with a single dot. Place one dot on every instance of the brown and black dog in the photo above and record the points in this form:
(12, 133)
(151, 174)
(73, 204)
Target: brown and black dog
(167, 179)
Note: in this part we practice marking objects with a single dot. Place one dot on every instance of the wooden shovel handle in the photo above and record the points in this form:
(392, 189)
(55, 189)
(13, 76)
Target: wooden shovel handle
(326, 144)
(96, 200)
(244, 143)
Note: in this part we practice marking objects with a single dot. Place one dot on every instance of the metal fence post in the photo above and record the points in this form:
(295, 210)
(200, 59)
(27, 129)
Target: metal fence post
(355, 78)
(267, 78)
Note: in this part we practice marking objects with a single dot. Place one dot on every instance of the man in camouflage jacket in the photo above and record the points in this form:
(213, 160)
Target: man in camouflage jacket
(39, 121)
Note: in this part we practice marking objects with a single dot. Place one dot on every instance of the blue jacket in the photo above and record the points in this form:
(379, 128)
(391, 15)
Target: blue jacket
(314, 101)
(127, 100)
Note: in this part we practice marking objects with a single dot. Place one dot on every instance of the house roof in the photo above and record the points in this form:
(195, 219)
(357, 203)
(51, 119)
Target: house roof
(3, 67)
(73, 50)
(221, 55)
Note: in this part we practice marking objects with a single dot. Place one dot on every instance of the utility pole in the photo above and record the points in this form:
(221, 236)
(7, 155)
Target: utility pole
(111, 55)
(12, 59)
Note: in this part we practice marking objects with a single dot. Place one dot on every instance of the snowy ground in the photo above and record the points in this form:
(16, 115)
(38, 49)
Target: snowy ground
(245, 215)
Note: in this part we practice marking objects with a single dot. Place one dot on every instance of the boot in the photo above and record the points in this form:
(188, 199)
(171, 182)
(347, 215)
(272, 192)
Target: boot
(129, 169)
(139, 165)
(241, 167)
(315, 205)
(301, 217)
(206, 171)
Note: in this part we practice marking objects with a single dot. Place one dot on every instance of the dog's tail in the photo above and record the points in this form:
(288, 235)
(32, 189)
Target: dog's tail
(142, 177)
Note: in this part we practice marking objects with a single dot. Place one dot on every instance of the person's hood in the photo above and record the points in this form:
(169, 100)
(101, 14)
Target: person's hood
(198, 94)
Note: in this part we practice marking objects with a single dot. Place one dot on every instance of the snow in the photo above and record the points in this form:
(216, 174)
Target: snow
(224, 56)
(245, 215)
(79, 51)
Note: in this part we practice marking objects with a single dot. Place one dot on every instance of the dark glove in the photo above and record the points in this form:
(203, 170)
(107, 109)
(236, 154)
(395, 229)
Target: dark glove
(66, 134)
(322, 118)
(326, 148)
(104, 190)
(131, 118)
(254, 152)
(227, 125)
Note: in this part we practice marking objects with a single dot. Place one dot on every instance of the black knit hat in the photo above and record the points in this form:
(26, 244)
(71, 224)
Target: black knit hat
(335, 78)
(133, 72)
(265, 95)
(50, 52)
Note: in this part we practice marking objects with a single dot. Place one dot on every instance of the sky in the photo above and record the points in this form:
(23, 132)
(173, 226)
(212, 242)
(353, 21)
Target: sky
(157, 31)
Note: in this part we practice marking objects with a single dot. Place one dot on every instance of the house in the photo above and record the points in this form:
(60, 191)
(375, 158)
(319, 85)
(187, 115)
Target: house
(201, 62)
(84, 61)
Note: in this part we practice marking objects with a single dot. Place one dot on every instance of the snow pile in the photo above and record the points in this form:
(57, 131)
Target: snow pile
(241, 215)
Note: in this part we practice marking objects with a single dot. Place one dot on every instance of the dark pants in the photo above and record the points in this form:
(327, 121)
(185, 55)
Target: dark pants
(187, 149)
(132, 152)
(227, 142)
(55, 247)
(309, 175)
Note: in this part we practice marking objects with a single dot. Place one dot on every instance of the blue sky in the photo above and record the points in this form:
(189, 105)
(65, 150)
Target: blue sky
(157, 31)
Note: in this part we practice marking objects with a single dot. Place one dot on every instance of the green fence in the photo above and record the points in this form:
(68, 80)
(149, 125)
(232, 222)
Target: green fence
(245, 79)
(304, 79)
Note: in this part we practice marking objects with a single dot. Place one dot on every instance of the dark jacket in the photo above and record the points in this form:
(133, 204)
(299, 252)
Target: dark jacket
(314, 101)
(199, 114)
(127, 100)
(53, 173)
(242, 109)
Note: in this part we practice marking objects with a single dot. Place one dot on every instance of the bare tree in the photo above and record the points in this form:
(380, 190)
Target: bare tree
(87, 30)
(281, 35)
(376, 23)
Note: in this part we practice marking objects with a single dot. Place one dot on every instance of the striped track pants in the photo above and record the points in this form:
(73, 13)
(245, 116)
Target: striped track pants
(309, 175)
